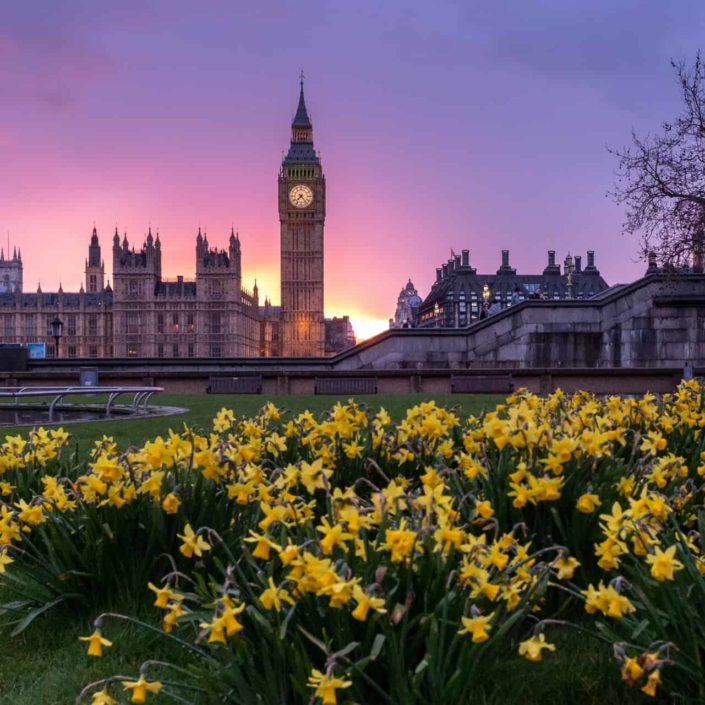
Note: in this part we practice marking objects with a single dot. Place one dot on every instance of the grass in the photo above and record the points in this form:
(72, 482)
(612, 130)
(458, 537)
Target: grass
(47, 665)
(203, 407)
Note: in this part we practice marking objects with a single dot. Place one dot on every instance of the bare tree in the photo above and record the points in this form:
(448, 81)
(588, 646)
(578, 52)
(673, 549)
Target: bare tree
(661, 179)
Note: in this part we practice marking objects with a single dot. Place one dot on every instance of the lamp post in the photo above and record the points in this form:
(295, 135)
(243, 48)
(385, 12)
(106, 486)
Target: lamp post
(568, 269)
(485, 292)
(436, 311)
(57, 328)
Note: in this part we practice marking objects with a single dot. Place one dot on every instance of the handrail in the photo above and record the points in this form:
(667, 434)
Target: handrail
(141, 396)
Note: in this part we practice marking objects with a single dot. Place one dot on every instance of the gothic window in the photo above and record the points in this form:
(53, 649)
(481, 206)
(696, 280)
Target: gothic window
(72, 351)
(160, 323)
(132, 323)
(30, 327)
(175, 322)
(191, 350)
(215, 350)
(216, 289)
(189, 324)
(215, 323)
(133, 289)
(160, 349)
(92, 324)
(92, 283)
(8, 326)
(92, 351)
(175, 350)
(133, 350)
(71, 327)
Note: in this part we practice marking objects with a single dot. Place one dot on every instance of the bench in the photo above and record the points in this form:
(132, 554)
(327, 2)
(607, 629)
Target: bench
(235, 385)
(481, 384)
(346, 385)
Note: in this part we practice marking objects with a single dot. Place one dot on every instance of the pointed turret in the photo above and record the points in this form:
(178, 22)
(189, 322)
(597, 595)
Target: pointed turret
(116, 238)
(19, 254)
(301, 119)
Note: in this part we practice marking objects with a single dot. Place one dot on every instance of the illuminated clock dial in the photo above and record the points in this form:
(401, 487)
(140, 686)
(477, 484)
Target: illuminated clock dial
(301, 196)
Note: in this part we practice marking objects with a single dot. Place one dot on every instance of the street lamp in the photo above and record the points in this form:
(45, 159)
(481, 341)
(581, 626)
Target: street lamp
(436, 311)
(485, 292)
(57, 328)
(568, 269)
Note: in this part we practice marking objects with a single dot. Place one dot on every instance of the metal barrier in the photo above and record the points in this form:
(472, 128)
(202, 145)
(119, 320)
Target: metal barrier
(346, 385)
(140, 399)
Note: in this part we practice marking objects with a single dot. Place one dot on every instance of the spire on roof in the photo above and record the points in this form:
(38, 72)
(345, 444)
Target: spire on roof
(301, 119)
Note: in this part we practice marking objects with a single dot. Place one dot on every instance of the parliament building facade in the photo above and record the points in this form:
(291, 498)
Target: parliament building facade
(146, 315)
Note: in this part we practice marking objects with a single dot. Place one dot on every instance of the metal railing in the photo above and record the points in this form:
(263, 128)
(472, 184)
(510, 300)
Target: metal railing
(140, 400)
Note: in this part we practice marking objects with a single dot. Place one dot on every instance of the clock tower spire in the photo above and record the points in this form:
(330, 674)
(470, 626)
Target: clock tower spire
(302, 214)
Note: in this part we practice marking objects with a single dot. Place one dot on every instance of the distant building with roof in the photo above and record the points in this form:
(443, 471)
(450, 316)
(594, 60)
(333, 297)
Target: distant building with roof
(408, 303)
(457, 295)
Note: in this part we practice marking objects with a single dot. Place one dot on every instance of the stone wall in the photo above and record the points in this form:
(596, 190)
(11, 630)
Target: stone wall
(656, 321)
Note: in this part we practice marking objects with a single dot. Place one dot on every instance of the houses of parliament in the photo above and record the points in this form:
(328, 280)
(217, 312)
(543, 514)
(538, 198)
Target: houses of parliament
(146, 315)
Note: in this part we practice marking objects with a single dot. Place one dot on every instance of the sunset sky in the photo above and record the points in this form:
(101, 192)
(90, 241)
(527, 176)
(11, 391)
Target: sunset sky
(445, 124)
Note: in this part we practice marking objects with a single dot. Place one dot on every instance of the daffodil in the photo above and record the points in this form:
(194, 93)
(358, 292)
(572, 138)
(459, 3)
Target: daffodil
(532, 648)
(96, 643)
(273, 597)
(192, 543)
(164, 595)
(140, 688)
(326, 685)
(477, 626)
(103, 698)
(664, 563)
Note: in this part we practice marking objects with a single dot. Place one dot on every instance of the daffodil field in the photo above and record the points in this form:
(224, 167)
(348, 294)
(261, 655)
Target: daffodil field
(290, 559)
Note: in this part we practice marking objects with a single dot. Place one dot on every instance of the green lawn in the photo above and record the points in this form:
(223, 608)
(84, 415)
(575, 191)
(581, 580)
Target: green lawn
(203, 407)
(47, 665)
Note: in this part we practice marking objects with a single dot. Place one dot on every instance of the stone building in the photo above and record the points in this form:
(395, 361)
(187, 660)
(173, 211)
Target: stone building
(339, 335)
(302, 215)
(408, 303)
(87, 315)
(209, 316)
(459, 292)
(212, 315)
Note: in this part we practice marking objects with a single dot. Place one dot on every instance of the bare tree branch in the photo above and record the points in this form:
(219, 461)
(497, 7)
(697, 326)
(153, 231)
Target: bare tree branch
(661, 178)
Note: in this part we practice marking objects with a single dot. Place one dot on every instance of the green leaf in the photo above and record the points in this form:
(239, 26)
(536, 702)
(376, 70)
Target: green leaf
(315, 641)
(377, 645)
(346, 649)
(34, 614)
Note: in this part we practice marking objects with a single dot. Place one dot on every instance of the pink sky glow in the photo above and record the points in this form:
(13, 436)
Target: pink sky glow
(445, 127)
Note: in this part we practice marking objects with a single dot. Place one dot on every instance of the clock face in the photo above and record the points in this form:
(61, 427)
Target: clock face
(301, 196)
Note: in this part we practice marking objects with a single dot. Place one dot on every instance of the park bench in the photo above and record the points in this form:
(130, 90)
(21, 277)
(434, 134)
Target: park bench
(481, 384)
(235, 385)
(346, 385)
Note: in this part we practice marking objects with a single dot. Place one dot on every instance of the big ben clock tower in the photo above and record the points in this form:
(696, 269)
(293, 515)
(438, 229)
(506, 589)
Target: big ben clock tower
(302, 214)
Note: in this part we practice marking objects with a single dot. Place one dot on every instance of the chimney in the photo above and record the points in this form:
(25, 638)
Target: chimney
(466, 258)
(578, 264)
(457, 261)
(445, 271)
(505, 258)
(652, 260)
(552, 258)
(591, 259)
(439, 274)
(180, 279)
